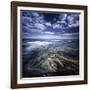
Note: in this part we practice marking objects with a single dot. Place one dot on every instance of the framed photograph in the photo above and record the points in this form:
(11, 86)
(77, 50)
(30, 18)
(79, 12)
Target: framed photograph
(48, 44)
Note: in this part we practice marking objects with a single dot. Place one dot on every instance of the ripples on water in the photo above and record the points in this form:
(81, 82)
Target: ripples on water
(35, 53)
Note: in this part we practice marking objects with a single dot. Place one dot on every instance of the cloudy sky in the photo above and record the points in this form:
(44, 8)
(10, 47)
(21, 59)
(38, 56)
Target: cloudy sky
(49, 25)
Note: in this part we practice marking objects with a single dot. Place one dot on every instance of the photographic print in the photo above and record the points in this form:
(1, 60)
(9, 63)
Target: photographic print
(49, 44)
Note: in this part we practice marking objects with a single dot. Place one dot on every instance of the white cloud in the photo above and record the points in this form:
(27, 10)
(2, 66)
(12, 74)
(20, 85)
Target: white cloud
(76, 24)
(73, 20)
(70, 34)
(40, 26)
(70, 19)
(27, 18)
(56, 26)
(35, 30)
(35, 23)
(65, 25)
(62, 17)
(29, 25)
(48, 24)
(48, 33)
(39, 19)
(63, 22)
(35, 14)
(60, 25)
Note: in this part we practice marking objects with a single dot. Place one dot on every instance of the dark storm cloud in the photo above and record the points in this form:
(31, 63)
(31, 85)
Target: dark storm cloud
(40, 23)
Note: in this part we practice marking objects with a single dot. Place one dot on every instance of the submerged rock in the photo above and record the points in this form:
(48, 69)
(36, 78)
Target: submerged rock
(43, 67)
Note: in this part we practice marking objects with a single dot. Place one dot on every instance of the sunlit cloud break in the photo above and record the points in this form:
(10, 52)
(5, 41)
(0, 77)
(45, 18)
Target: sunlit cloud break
(48, 33)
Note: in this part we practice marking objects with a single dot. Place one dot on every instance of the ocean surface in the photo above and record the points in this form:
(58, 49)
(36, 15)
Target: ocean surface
(50, 57)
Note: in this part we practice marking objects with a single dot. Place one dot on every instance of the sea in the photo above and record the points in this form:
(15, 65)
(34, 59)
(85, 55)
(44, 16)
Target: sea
(36, 53)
